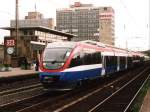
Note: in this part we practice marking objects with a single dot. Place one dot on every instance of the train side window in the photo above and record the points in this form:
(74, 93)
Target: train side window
(94, 59)
(129, 61)
(108, 60)
(87, 59)
(97, 58)
(114, 60)
(76, 61)
(122, 60)
(111, 60)
(91, 58)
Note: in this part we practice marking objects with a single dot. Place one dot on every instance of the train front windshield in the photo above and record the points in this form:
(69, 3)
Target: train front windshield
(55, 58)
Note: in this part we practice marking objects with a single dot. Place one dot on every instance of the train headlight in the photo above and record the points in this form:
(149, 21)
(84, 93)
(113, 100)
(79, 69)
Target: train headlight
(62, 64)
(48, 79)
(44, 64)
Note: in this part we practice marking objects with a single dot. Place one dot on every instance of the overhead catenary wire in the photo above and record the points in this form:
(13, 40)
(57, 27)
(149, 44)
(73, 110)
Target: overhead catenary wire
(128, 12)
(134, 21)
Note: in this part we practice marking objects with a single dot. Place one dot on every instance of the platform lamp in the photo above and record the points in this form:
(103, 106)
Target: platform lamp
(17, 26)
(149, 28)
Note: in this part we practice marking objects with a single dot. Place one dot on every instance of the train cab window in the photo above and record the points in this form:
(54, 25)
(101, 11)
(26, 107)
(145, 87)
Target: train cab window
(55, 58)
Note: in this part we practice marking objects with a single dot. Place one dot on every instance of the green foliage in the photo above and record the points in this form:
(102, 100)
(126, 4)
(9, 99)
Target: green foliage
(1, 65)
(6, 65)
(23, 66)
(136, 107)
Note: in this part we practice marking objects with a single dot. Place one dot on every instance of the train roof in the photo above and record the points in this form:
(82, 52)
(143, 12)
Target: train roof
(114, 50)
(61, 44)
(105, 48)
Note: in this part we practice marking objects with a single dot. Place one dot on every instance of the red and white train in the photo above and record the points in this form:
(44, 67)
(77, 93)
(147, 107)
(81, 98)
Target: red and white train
(66, 64)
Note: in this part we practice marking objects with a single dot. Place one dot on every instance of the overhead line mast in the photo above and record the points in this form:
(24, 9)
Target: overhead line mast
(17, 27)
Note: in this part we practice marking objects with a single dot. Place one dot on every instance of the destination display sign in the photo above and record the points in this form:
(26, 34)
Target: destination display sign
(9, 42)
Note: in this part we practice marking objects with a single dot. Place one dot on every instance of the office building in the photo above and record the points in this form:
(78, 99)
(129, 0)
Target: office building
(87, 22)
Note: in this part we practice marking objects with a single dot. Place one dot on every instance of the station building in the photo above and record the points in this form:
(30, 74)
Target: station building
(1, 53)
(31, 42)
(34, 33)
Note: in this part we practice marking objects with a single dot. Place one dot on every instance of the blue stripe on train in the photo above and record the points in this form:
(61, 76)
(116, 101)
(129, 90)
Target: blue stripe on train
(110, 69)
(75, 75)
(122, 67)
(113, 69)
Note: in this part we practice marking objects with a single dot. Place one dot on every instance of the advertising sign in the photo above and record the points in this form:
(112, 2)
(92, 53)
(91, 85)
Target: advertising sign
(106, 16)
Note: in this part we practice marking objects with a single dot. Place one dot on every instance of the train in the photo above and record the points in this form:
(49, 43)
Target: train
(65, 65)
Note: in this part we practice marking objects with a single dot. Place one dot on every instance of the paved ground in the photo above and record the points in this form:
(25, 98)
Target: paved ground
(16, 72)
(146, 104)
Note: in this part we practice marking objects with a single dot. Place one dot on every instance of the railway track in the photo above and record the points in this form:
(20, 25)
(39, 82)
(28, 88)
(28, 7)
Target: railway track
(15, 82)
(15, 95)
(73, 99)
(112, 98)
(121, 99)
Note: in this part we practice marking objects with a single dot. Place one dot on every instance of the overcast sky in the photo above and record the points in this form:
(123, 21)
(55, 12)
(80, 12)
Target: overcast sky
(131, 17)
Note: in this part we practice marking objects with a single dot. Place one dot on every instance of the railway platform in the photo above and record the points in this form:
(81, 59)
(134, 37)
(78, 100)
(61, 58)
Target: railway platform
(146, 103)
(17, 72)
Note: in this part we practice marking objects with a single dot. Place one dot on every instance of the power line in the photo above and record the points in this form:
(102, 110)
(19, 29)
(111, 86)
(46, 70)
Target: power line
(128, 12)
(5, 12)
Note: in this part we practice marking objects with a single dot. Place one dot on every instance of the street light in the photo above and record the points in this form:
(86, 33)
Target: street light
(17, 26)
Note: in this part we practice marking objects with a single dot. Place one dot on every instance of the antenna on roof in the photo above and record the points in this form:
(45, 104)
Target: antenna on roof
(35, 7)
(99, 44)
(70, 3)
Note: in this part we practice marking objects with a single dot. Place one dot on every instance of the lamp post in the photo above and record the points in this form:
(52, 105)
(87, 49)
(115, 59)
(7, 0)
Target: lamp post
(17, 26)
(149, 26)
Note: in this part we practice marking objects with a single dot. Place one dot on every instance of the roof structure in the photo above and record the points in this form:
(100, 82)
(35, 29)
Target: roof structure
(43, 29)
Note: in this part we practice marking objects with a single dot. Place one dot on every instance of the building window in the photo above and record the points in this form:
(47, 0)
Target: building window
(25, 32)
(30, 32)
(105, 8)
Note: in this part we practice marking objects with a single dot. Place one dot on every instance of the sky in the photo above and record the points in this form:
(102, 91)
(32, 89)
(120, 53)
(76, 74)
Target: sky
(131, 17)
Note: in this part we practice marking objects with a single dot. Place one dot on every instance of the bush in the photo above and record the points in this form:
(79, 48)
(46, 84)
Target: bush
(2, 68)
(23, 66)
(1, 65)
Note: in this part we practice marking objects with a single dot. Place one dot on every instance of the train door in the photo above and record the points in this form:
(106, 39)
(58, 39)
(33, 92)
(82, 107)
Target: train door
(115, 64)
(118, 63)
(126, 63)
(103, 65)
